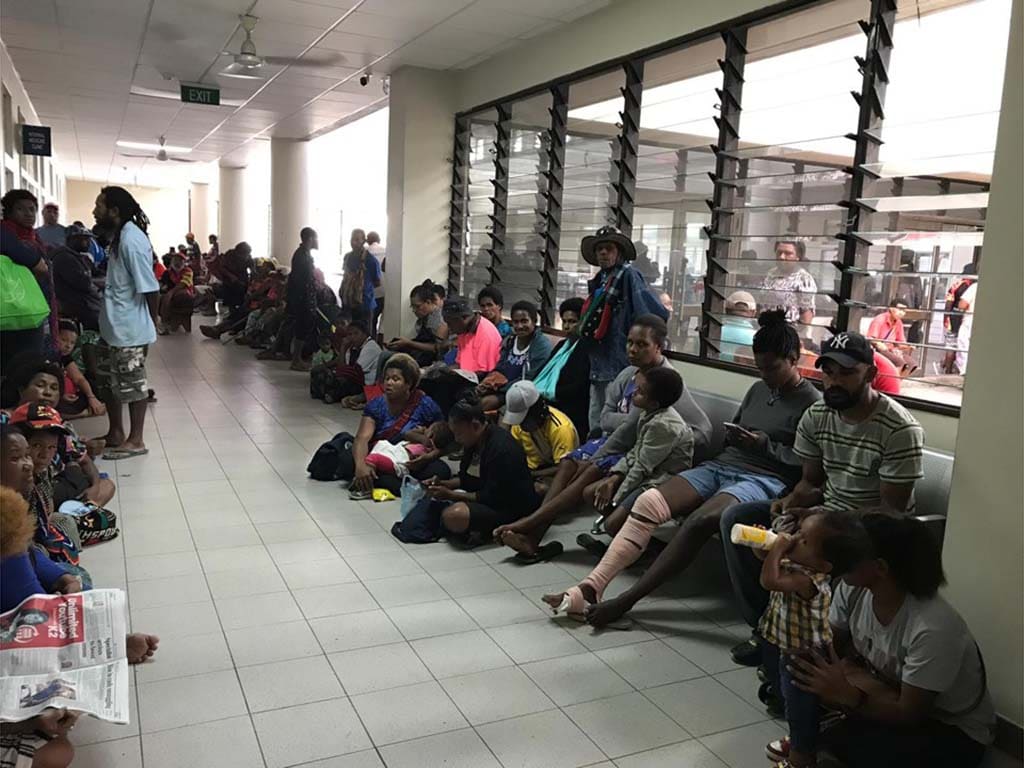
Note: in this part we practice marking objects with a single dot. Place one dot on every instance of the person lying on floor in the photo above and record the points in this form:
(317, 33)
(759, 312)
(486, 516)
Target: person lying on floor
(523, 354)
(78, 398)
(503, 490)
(546, 434)
(664, 446)
(592, 461)
(390, 417)
(75, 474)
(757, 464)
(420, 449)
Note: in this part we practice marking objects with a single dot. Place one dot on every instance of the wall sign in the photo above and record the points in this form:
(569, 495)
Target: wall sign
(35, 140)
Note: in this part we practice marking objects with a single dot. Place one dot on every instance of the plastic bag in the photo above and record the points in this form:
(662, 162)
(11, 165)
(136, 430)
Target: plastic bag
(412, 492)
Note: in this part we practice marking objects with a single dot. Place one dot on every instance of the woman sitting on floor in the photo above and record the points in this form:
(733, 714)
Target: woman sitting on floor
(593, 460)
(546, 434)
(402, 407)
(177, 295)
(523, 354)
(430, 333)
(502, 492)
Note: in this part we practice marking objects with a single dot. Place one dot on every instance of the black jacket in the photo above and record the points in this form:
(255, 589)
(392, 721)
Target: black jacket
(505, 482)
(77, 295)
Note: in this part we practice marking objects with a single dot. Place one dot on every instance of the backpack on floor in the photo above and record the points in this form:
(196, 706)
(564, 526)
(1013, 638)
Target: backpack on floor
(329, 458)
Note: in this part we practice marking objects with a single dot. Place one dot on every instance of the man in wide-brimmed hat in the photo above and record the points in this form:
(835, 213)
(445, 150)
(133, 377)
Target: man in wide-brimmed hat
(618, 295)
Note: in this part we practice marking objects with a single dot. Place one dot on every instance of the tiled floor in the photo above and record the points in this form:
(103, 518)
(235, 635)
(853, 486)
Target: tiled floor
(296, 631)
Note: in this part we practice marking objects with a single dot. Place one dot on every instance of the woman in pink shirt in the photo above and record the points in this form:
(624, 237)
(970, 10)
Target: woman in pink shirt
(888, 338)
(477, 345)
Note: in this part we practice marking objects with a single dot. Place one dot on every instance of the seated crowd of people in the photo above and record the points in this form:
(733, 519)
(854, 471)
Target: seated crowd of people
(812, 495)
(73, 344)
(855, 648)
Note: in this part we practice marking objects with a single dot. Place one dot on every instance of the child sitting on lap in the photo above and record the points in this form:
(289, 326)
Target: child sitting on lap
(78, 398)
(797, 570)
(396, 460)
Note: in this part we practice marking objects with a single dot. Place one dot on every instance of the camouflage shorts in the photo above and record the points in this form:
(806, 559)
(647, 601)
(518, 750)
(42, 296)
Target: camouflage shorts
(123, 372)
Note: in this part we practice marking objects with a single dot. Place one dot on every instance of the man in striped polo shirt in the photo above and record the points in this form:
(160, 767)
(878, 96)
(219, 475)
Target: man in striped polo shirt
(860, 449)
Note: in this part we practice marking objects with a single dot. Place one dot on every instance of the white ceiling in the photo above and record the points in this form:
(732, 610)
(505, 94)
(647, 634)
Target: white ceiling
(80, 59)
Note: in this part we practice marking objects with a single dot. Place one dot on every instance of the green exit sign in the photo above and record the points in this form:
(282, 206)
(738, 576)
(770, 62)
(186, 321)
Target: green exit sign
(200, 94)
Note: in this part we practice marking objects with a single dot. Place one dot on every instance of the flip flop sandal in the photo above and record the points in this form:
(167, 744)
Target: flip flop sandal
(119, 453)
(360, 495)
(544, 553)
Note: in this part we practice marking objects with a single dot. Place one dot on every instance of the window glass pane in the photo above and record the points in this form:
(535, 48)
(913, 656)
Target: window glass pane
(791, 175)
(677, 129)
(477, 236)
(930, 191)
(590, 147)
(523, 259)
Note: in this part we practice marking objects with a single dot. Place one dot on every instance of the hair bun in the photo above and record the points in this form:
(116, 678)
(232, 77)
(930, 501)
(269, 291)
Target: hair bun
(771, 317)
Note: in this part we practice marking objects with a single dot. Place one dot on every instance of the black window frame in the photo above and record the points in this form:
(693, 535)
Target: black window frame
(878, 28)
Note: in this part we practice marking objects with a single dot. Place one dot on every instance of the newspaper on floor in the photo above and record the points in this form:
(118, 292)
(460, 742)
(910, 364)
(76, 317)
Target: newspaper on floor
(65, 651)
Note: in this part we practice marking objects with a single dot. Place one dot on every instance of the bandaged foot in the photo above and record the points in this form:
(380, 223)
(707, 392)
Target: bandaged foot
(650, 511)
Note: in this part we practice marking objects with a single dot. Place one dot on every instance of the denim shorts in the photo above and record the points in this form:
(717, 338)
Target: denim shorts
(713, 477)
(586, 452)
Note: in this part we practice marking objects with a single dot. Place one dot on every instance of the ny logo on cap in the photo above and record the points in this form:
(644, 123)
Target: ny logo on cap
(839, 341)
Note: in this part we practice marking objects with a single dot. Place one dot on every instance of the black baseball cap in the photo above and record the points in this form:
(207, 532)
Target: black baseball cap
(848, 349)
(456, 305)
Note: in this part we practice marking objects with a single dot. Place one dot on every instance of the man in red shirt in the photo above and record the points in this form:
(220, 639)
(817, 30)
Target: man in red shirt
(887, 337)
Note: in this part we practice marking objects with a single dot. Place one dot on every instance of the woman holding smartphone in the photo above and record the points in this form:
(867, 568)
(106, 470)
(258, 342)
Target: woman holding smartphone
(757, 463)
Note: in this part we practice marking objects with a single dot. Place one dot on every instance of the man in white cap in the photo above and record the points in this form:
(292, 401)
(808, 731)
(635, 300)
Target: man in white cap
(738, 326)
(546, 434)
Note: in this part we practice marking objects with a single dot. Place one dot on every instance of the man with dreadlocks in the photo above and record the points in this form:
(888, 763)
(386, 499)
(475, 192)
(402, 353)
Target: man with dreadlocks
(127, 319)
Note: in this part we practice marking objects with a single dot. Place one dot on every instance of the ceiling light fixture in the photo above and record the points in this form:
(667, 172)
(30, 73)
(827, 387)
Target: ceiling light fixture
(152, 146)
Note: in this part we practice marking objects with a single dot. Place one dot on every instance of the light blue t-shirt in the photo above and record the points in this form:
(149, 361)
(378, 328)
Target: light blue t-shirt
(124, 319)
(736, 332)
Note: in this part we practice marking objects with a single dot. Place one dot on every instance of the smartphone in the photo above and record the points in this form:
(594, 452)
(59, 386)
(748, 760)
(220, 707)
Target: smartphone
(730, 427)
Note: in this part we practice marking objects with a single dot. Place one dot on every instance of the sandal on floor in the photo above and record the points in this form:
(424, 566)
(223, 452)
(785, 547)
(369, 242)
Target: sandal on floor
(544, 553)
(115, 454)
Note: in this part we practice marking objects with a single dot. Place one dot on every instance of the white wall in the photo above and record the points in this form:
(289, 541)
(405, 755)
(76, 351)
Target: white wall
(348, 186)
(167, 209)
(984, 550)
(419, 187)
(48, 183)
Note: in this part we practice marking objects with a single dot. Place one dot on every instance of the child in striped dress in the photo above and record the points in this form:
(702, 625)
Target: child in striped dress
(797, 571)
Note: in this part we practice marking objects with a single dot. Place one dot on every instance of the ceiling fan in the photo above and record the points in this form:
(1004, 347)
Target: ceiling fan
(161, 154)
(247, 63)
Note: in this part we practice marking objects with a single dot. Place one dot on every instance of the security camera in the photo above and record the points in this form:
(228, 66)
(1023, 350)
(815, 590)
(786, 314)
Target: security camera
(364, 80)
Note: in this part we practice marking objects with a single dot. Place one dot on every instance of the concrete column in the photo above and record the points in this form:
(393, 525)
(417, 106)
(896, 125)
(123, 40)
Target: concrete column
(199, 212)
(420, 141)
(983, 553)
(289, 196)
(231, 216)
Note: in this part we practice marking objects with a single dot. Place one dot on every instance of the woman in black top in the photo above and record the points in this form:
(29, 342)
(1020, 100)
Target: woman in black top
(504, 490)
(572, 393)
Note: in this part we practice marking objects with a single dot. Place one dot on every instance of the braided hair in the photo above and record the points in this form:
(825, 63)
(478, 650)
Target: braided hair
(776, 336)
(128, 208)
